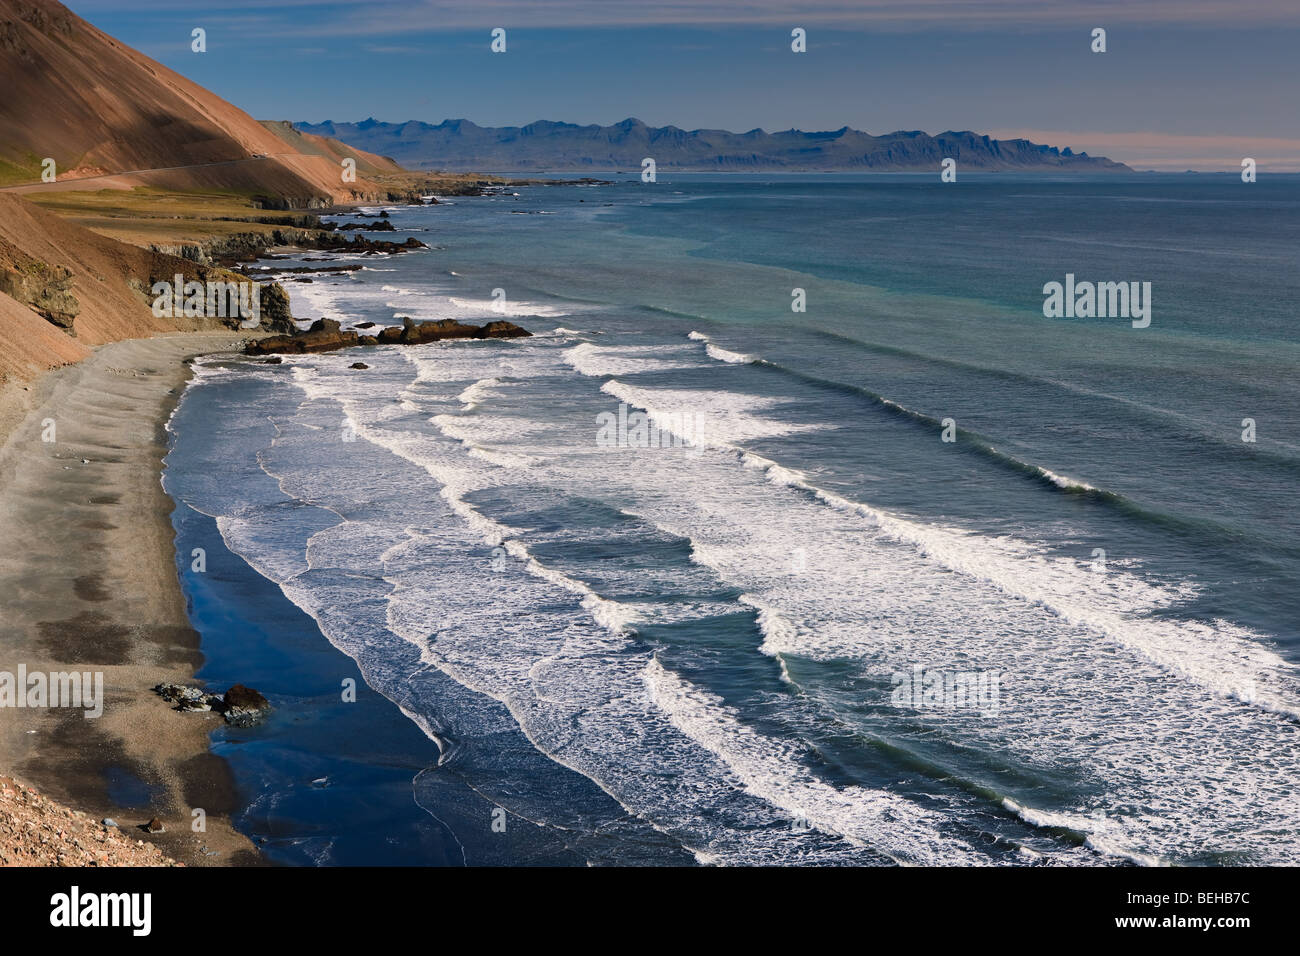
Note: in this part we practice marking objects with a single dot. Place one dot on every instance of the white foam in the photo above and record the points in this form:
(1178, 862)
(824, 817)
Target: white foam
(479, 391)
(1102, 678)
(554, 676)
(719, 353)
(505, 308)
(601, 360)
(732, 358)
(773, 770)
(1061, 481)
(718, 419)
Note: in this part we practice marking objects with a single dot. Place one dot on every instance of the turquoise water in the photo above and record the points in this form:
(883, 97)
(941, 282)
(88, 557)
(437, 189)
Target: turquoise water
(576, 648)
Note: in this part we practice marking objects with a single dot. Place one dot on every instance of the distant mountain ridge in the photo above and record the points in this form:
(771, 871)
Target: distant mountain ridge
(545, 145)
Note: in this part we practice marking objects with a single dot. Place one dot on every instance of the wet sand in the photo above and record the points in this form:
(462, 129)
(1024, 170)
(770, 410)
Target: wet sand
(88, 582)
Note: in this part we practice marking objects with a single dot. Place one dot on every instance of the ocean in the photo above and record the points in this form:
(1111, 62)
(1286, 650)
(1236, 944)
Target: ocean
(795, 534)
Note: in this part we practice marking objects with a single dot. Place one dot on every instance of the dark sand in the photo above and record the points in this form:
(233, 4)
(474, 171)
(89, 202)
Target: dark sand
(88, 582)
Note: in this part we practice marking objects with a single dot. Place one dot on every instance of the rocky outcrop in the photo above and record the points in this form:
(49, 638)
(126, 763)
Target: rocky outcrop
(272, 301)
(379, 225)
(247, 247)
(44, 288)
(240, 706)
(369, 247)
(502, 330)
(325, 335)
(323, 270)
(276, 316)
(244, 706)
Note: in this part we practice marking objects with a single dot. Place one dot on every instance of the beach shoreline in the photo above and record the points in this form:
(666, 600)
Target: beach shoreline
(91, 582)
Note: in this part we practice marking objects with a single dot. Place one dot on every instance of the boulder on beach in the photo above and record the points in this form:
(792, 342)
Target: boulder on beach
(188, 698)
(244, 706)
(241, 706)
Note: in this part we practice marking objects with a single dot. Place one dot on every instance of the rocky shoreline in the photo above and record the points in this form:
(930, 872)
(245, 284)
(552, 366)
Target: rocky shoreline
(326, 335)
(238, 248)
(37, 831)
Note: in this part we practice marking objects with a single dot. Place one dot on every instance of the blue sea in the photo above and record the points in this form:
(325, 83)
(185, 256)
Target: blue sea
(912, 575)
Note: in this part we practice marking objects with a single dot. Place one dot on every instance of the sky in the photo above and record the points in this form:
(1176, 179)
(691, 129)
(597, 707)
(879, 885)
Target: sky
(1183, 84)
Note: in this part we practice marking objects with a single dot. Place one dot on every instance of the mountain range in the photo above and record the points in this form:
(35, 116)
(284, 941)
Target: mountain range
(461, 145)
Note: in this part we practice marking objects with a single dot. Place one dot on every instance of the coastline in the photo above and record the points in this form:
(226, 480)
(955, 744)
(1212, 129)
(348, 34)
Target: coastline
(90, 574)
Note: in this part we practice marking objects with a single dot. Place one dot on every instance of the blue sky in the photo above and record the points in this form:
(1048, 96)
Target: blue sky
(1183, 84)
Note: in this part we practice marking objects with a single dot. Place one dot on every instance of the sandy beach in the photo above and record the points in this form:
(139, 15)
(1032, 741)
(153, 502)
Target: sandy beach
(89, 577)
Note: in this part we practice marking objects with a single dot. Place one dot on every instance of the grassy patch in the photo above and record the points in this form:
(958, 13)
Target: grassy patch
(147, 216)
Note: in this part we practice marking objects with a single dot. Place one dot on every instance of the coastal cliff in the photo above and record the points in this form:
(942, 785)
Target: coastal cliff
(64, 288)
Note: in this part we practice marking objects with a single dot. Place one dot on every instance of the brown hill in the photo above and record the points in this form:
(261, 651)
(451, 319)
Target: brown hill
(95, 106)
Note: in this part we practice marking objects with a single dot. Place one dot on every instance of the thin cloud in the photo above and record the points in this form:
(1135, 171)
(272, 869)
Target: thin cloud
(392, 17)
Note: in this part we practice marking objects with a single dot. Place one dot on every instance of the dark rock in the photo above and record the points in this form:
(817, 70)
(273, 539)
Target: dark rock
(283, 270)
(273, 360)
(325, 336)
(359, 244)
(358, 365)
(187, 698)
(503, 330)
(378, 226)
(244, 707)
(241, 696)
(416, 333)
(364, 325)
(43, 287)
(322, 340)
(274, 303)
